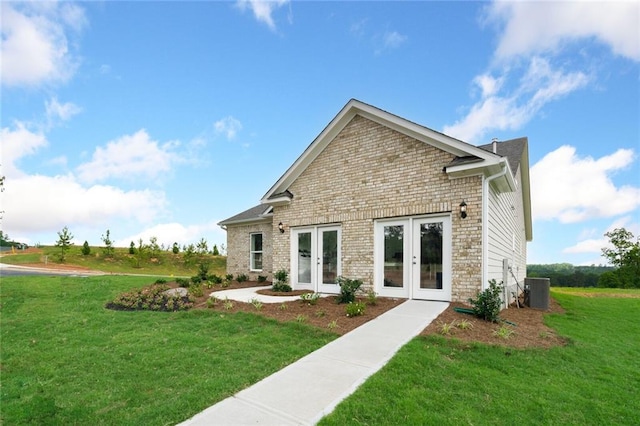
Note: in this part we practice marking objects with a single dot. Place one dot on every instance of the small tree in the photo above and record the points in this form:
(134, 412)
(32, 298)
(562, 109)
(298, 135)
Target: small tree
(140, 253)
(107, 250)
(188, 254)
(176, 248)
(154, 248)
(132, 248)
(202, 247)
(86, 250)
(625, 256)
(64, 242)
(488, 304)
(215, 250)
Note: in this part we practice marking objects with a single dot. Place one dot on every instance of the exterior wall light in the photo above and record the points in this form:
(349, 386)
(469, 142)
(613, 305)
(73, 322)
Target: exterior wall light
(463, 209)
(281, 227)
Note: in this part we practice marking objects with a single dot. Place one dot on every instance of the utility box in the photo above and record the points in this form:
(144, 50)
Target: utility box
(537, 292)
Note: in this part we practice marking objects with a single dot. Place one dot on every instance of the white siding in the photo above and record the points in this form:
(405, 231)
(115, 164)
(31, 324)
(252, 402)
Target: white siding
(506, 237)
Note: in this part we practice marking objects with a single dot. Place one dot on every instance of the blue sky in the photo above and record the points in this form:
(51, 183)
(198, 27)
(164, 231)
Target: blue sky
(163, 118)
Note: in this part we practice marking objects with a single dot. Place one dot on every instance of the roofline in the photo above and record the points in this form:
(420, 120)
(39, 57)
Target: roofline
(262, 218)
(404, 126)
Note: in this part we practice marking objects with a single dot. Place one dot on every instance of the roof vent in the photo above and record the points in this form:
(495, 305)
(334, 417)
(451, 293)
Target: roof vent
(494, 145)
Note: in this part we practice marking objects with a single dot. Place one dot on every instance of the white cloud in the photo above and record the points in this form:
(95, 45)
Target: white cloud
(34, 203)
(168, 233)
(390, 40)
(539, 85)
(130, 156)
(17, 143)
(35, 46)
(571, 189)
(44, 203)
(539, 27)
(262, 9)
(228, 126)
(56, 111)
(536, 33)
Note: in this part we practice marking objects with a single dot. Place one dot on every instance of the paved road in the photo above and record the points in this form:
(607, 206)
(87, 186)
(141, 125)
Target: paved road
(15, 270)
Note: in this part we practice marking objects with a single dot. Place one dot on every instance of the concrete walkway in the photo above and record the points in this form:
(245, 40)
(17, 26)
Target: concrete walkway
(250, 293)
(310, 388)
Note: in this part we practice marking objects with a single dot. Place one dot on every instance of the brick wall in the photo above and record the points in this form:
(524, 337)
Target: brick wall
(371, 172)
(238, 246)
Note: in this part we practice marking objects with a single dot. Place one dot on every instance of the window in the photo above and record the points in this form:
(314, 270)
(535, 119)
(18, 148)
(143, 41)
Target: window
(256, 252)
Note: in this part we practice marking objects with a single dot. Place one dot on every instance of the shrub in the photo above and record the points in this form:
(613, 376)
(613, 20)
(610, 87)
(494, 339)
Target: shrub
(229, 277)
(281, 287)
(160, 281)
(281, 275)
(151, 298)
(348, 288)
(256, 303)
(86, 250)
(183, 282)
(196, 290)
(262, 278)
(203, 270)
(132, 248)
(310, 298)
(488, 303)
(215, 279)
(212, 301)
(280, 281)
(242, 278)
(196, 279)
(355, 309)
(372, 298)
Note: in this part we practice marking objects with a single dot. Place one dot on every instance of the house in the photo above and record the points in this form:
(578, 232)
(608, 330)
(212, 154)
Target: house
(412, 212)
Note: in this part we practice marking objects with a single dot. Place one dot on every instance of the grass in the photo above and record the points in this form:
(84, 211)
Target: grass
(122, 262)
(593, 380)
(67, 360)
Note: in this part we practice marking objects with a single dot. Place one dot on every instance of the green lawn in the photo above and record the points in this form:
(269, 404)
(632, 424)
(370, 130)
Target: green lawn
(67, 360)
(595, 380)
(163, 263)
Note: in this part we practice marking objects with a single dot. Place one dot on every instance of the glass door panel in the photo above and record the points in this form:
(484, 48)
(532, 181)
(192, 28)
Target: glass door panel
(329, 264)
(304, 257)
(329, 268)
(393, 271)
(431, 256)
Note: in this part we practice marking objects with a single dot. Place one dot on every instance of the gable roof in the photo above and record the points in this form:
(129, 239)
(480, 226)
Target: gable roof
(487, 163)
(254, 214)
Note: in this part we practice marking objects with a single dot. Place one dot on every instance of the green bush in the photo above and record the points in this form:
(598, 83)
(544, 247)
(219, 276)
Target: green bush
(310, 298)
(215, 279)
(183, 282)
(196, 279)
(151, 298)
(203, 270)
(488, 304)
(86, 250)
(281, 287)
(196, 290)
(280, 281)
(229, 277)
(160, 281)
(281, 275)
(348, 289)
(242, 278)
(355, 309)
(262, 278)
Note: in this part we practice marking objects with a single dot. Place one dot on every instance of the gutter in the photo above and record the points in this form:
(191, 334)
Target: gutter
(485, 221)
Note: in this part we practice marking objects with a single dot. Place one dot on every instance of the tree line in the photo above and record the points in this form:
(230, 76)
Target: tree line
(623, 253)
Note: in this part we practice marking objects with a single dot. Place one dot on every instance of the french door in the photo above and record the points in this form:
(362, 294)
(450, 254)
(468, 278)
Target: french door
(315, 258)
(413, 258)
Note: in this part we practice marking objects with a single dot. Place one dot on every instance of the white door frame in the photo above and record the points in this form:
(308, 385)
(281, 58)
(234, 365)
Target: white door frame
(316, 259)
(411, 267)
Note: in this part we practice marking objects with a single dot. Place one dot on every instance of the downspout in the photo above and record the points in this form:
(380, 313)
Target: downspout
(485, 221)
